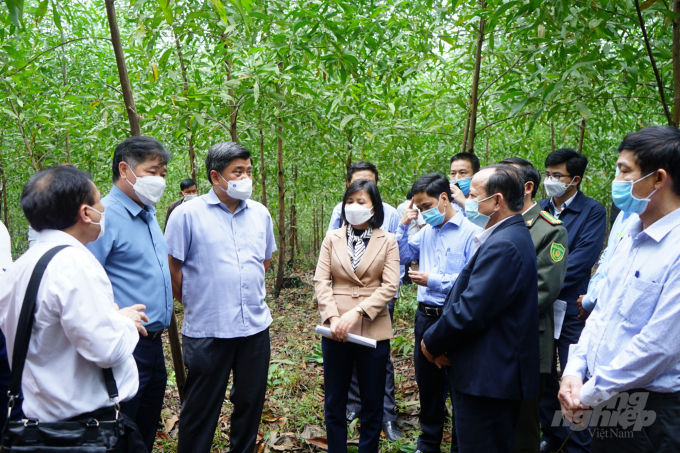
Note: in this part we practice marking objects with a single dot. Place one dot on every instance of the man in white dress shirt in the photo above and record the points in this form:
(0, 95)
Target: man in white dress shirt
(78, 329)
(629, 347)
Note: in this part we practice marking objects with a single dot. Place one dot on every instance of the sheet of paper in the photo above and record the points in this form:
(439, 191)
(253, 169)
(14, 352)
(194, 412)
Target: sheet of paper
(559, 310)
(358, 339)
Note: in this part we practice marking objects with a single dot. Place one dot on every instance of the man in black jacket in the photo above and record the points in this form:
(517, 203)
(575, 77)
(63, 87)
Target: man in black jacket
(487, 333)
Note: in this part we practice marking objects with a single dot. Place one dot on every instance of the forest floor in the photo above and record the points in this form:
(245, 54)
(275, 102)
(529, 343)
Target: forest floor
(293, 416)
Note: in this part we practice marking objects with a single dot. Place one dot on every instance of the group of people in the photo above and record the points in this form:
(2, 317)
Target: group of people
(510, 323)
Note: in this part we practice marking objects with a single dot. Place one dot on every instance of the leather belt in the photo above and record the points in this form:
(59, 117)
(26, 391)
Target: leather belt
(151, 335)
(354, 291)
(429, 310)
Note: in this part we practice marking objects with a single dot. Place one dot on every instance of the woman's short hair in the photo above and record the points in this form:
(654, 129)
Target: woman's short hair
(373, 192)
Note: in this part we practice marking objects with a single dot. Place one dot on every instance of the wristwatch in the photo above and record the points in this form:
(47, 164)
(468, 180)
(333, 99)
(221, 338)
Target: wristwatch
(360, 311)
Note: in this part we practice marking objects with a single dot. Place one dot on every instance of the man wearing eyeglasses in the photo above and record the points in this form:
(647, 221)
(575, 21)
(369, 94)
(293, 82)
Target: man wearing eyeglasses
(585, 220)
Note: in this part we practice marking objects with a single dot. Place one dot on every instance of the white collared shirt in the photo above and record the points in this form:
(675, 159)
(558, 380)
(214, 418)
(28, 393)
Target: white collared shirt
(77, 332)
(483, 235)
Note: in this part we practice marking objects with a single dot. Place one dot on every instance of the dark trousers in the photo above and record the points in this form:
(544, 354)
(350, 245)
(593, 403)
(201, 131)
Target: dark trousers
(432, 384)
(389, 403)
(579, 441)
(338, 361)
(662, 436)
(484, 424)
(528, 429)
(209, 362)
(145, 407)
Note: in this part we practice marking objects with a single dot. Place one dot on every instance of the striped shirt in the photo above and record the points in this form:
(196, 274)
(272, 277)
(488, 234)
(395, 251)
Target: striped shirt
(442, 251)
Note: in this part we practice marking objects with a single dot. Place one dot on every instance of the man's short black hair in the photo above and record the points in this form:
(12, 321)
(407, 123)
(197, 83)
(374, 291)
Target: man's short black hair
(576, 162)
(186, 183)
(656, 147)
(221, 154)
(507, 181)
(433, 184)
(138, 149)
(470, 157)
(409, 194)
(51, 198)
(360, 166)
(373, 192)
(527, 170)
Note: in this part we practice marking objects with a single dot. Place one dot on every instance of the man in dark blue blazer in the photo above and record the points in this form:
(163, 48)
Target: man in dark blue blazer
(585, 220)
(487, 332)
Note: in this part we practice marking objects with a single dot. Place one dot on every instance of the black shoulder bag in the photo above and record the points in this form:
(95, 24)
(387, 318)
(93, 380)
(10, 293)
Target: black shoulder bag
(83, 433)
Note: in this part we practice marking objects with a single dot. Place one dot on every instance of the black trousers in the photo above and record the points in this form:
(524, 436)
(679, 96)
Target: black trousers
(389, 402)
(661, 436)
(579, 441)
(432, 385)
(528, 429)
(338, 361)
(209, 362)
(146, 406)
(484, 424)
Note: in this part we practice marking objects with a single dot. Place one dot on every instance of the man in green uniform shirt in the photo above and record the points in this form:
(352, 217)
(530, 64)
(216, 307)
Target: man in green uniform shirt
(550, 240)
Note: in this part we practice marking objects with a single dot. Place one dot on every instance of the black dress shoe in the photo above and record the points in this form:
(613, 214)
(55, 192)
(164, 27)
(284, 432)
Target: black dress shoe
(392, 431)
(550, 446)
(351, 416)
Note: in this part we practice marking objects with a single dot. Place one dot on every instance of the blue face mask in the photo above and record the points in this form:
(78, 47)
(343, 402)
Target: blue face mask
(433, 216)
(463, 184)
(473, 214)
(622, 196)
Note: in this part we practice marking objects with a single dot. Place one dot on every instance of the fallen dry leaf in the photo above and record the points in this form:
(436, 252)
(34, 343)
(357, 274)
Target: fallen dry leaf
(170, 423)
(320, 442)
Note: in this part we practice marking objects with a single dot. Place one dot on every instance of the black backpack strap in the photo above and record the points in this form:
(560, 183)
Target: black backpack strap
(25, 325)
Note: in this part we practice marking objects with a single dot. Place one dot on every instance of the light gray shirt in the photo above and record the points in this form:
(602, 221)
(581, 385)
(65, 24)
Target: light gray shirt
(222, 256)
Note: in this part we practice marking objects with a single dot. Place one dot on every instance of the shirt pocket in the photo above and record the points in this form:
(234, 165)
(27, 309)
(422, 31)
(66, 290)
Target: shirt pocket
(640, 301)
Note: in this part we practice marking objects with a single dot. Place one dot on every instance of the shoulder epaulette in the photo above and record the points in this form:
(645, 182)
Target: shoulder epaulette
(550, 218)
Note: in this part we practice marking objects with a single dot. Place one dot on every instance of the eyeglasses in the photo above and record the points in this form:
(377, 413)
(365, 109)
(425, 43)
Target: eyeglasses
(556, 175)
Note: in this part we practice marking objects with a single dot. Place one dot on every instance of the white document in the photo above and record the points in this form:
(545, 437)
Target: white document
(559, 310)
(358, 339)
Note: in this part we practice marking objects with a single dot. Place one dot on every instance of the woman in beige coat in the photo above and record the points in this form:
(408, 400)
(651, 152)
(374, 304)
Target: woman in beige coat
(362, 263)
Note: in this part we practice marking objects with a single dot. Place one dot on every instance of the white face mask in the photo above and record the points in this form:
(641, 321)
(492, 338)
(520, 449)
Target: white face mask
(101, 223)
(149, 189)
(240, 189)
(357, 214)
(555, 187)
(190, 197)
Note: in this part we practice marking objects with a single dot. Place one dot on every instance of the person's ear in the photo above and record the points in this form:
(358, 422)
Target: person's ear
(214, 177)
(122, 168)
(84, 214)
(498, 200)
(577, 180)
(529, 188)
(660, 177)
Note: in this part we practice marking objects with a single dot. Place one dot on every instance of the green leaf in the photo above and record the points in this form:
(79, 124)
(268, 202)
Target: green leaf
(346, 120)
(221, 11)
(585, 113)
(16, 11)
(392, 108)
(40, 12)
(647, 4)
(535, 118)
(56, 16)
(517, 107)
(256, 91)
(199, 119)
(167, 11)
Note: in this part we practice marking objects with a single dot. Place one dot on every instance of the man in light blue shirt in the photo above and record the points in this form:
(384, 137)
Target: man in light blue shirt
(443, 247)
(586, 303)
(630, 342)
(135, 257)
(220, 246)
(356, 172)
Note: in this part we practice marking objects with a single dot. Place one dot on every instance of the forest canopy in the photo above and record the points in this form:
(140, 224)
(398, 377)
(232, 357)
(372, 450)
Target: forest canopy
(310, 86)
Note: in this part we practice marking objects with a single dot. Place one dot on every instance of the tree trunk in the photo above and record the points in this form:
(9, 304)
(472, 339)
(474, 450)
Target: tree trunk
(63, 73)
(282, 207)
(263, 167)
(349, 149)
(487, 147)
(3, 190)
(133, 117)
(474, 99)
(676, 64)
(27, 144)
(465, 134)
(232, 106)
(581, 138)
(185, 80)
(659, 82)
(552, 133)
